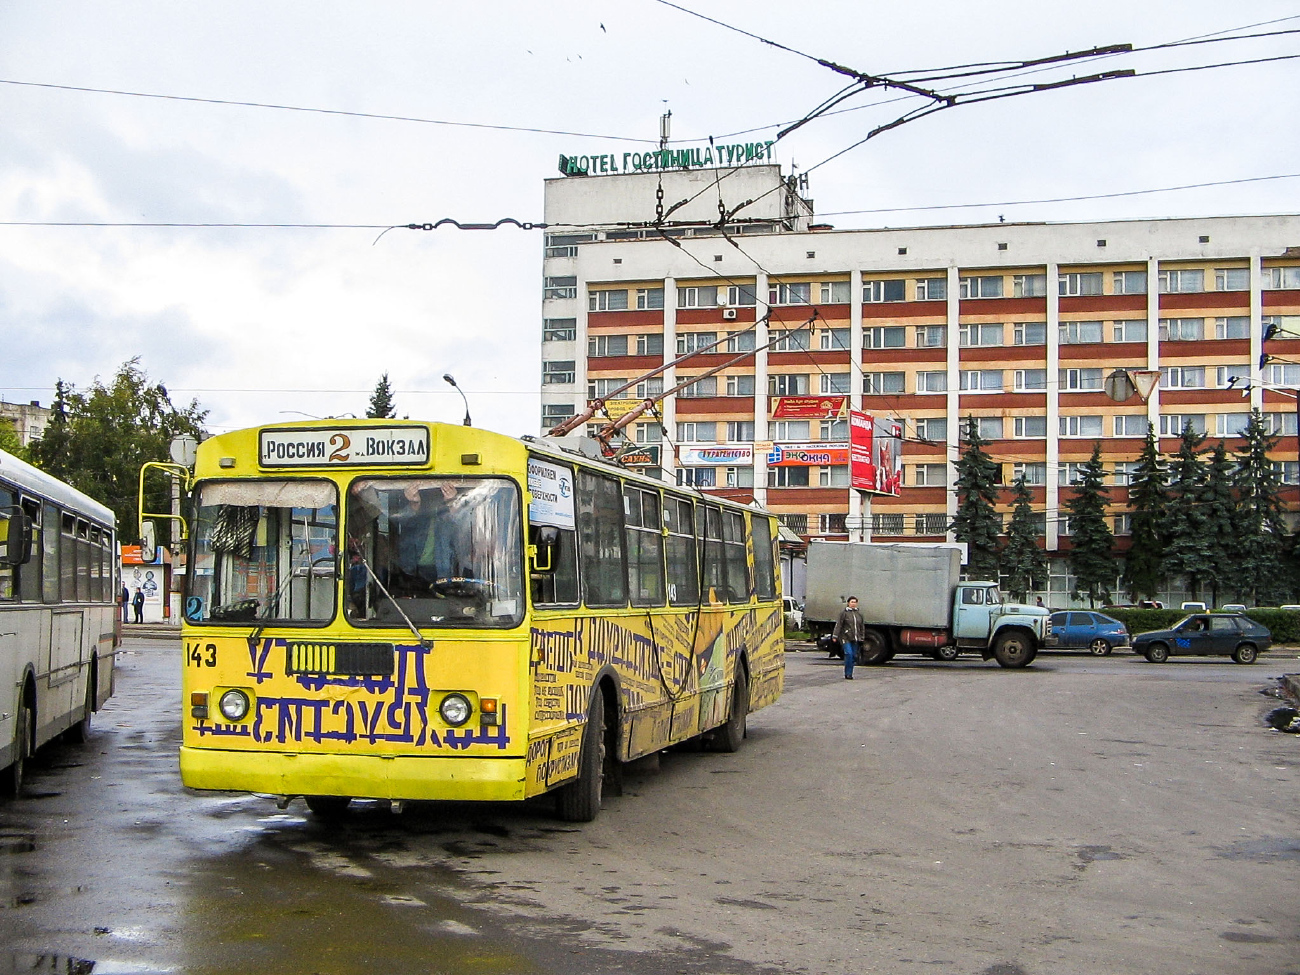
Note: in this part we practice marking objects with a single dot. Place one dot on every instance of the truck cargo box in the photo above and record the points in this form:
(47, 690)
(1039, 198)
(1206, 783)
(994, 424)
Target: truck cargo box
(896, 584)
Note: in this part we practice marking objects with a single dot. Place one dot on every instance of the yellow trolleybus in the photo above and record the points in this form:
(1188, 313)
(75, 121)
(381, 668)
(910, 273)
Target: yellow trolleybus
(423, 611)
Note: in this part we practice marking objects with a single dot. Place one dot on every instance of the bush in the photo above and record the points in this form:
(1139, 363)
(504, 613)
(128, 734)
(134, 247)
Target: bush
(1284, 624)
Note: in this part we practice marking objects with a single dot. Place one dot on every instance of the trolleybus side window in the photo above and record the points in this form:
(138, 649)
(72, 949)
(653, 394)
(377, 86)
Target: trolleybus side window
(68, 558)
(683, 560)
(764, 560)
(645, 552)
(708, 528)
(51, 571)
(7, 572)
(733, 548)
(554, 569)
(29, 574)
(437, 551)
(83, 560)
(600, 539)
(264, 550)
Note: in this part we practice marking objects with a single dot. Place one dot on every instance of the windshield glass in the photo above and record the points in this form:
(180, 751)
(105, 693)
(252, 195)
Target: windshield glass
(994, 597)
(264, 551)
(439, 551)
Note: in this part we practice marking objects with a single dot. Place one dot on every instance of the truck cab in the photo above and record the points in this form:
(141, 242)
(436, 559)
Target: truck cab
(982, 621)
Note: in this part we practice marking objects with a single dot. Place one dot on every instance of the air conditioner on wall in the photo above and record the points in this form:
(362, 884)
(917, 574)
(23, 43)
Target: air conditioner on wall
(729, 314)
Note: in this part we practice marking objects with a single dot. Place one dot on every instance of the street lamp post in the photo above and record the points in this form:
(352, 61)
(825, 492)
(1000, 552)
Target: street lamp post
(447, 378)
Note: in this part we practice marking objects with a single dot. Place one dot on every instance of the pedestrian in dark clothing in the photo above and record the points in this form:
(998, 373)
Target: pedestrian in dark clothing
(137, 603)
(125, 600)
(850, 630)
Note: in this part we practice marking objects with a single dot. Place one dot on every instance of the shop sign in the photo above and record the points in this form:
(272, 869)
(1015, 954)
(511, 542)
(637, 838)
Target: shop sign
(616, 408)
(808, 455)
(642, 455)
(703, 157)
(809, 407)
(730, 456)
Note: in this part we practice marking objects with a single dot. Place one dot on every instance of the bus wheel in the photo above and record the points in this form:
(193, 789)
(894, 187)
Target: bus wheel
(11, 778)
(80, 732)
(731, 735)
(579, 801)
(328, 807)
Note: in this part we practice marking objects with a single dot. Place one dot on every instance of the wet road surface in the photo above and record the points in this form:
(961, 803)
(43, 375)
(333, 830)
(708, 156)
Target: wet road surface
(1086, 815)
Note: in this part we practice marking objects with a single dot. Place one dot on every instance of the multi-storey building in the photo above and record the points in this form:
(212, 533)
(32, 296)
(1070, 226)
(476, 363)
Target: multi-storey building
(1017, 326)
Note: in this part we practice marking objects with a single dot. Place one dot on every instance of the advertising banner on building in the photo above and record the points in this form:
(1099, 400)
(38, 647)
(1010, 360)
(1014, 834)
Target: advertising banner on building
(875, 454)
(729, 456)
(809, 407)
(616, 408)
(862, 466)
(808, 455)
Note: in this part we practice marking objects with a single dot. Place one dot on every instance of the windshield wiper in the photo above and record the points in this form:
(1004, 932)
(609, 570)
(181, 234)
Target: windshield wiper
(424, 641)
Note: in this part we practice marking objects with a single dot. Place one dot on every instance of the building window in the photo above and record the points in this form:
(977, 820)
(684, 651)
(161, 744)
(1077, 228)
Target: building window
(1069, 473)
(701, 388)
(1280, 424)
(694, 341)
(930, 475)
(698, 476)
(970, 336)
(649, 298)
(649, 433)
(1081, 283)
(607, 300)
(787, 385)
(740, 477)
(1284, 374)
(1134, 330)
(1230, 424)
(981, 380)
(1131, 425)
(1081, 426)
(876, 291)
(599, 346)
(740, 431)
(932, 428)
(558, 371)
(1079, 333)
(1227, 376)
(650, 388)
(881, 383)
(1232, 279)
(1029, 286)
(697, 431)
(650, 344)
(888, 524)
(931, 336)
(1172, 424)
(1233, 327)
(792, 340)
(989, 286)
(698, 296)
(988, 427)
(788, 431)
(1030, 427)
(561, 287)
(1124, 524)
(835, 339)
(1182, 377)
(837, 476)
(1182, 281)
(1080, 380)
(1182, 329)
(740, 385)
(1030, 380)
(1277, 278)
(932, 289)
(932, 382)
(1034, 472)
(1029, 333)
(884, 337)
(604, 388)
(787, 477)
(556, 413)
(834, 431)
(1129, 282)
(931, 524)
(789, 294)
(836, 292)
(1289, 470)
(741, 341)
(1124, 472)
(742, 294)
(560, 330)
(837, 383)
(832, 524)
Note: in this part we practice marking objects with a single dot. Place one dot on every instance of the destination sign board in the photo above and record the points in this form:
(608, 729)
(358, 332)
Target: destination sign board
(380, 446)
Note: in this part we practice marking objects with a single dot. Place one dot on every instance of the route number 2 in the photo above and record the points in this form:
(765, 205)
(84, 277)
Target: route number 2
(201, 654)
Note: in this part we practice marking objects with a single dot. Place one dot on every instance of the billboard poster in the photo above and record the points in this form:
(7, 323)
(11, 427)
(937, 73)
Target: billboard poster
(887, 455)
(862, 466)
(716, 456)
(551, 487)
(808, 455)
(809, 407)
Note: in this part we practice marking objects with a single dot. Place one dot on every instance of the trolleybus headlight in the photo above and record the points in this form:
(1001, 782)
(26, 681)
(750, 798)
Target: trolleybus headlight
(233, 705)
(455, 709)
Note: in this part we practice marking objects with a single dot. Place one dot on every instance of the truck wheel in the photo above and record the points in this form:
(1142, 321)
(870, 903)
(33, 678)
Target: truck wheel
(579, 801)
(874, 649)
(1014, 648)
(731, 735)
(946, 653)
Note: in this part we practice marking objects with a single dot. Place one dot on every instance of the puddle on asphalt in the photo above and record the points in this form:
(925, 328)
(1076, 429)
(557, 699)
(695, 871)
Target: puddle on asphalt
(1263, 850)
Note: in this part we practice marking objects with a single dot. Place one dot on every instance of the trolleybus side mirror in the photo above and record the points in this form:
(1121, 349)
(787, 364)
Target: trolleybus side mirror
(148, 541)
(17, 529)
(548, 539)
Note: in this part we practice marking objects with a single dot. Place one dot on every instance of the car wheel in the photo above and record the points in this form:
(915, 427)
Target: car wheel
(1157, 653)
(1245, 654)
(1099, 647)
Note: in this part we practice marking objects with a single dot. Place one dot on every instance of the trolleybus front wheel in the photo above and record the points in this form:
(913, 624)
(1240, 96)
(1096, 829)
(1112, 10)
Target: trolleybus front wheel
(579, 801)
(328, 807)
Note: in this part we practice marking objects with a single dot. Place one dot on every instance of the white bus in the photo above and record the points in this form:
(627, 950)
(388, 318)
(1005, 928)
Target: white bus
(59, 623)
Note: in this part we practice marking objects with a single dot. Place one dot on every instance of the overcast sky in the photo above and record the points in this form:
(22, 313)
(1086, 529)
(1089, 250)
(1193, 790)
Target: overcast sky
(258, 322)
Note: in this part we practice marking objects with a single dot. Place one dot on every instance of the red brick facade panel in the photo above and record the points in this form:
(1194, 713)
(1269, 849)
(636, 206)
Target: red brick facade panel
(713, 316)
(1211, 301)
(1108, 304)
(598, 319)
(916, 312)
(799, 499)
(1005, 308)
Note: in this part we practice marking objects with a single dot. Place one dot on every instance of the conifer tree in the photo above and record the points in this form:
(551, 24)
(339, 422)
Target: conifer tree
(381, 401)
(1147, 499)
(1219, 511)
(1187, 551)
(1261, 531)
(977, 522)
(1092, 555)
(1023, 562)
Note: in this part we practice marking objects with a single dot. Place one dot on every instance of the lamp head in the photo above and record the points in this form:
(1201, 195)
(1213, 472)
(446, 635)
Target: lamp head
(447, 378)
